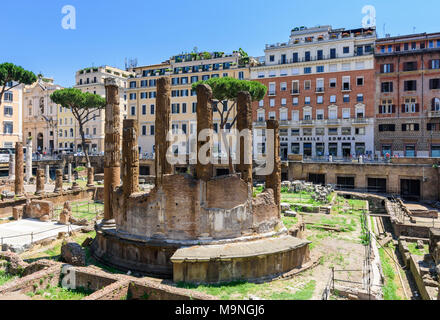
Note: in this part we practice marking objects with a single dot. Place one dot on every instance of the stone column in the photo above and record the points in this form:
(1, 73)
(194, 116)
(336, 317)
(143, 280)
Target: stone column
(130, 157)
(40, 181)
(273, 181)
(11, 166)
(19, 183)
(47, 174)
(69, 172)
(244, 126)
(162, 126)
(90, 177)
(112, 147)
(204, 121)
(28, 160)
(59, 181)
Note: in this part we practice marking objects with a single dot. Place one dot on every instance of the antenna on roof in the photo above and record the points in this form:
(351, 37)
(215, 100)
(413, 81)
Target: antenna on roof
(414, 29)
(130, 63)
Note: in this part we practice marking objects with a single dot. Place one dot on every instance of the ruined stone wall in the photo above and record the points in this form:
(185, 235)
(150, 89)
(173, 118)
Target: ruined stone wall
(392, 173)
(177, 210)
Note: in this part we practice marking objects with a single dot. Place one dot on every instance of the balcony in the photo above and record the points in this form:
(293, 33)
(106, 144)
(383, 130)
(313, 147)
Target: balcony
(272, 93)
(333, 121)
(307, 122)
(434, 114)
(360, 121)
(295, 92)
(346, 88)
(320, 90)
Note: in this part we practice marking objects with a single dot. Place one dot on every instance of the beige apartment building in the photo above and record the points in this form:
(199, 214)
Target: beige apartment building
(11, 117)
(40, 119)
(90, 80)
(184, 70)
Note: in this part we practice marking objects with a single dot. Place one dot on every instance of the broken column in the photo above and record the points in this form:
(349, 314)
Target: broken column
(12, 166)
(47, 174)
(58, 181)
(244, 127)
(273, 181)
(19, 184)
(204, 121)
(29, 160)
(90, 177)
(130, 157)
(112, 147)
(40, 181)
(162, 126)
(69, 172)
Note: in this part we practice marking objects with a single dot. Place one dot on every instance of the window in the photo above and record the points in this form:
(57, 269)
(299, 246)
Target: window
(320, 131)
(272, 102)
(319, 85)
(410, 85)
(410, 66)
(333, 83)
(152, 130)
(346, 66)
(307, 100)
(8, 96)
(307, 132)
(332, 131)
(333, 68)
(346, 50)
(387, 68)
(261, 103)
(183, 107)
(272, 58)
(241, 75)
(295, 148)
(387, 107)
(333, 99)
(320, 55)
(283, 86)
(435, 151)
(346, 131)
(333, 53)
(410, 106)
(346, 113)
(320, 114)
(8, 111)
(434, 84)
(144, 109)
(133, 110)
(194, 79)
(359, 131)
(283, 102)
(272, 115)
(194, 107)
(283, 116)
(152, 109)
(387, 127)
(307, 56)
(386, 87)
(360, 97)
(132, 84)
(410, 151)
(410, 127)
(319, 99)
(320, 69)
(272, 91)
(295, 101)
(295, 57)
(144, 130)
(307, 84)
(8, 127)
(345, 83)
(346, 98)
(175, 108)
(132, 96)
(434, 64)
(295, 87)
(435, 104)
(307, 70)
(413, 45)
(360, 81)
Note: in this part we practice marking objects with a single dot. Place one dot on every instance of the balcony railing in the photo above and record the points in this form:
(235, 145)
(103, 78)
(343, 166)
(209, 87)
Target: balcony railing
(319, 90)
(272, 93)
(294, 92)
(434, 114)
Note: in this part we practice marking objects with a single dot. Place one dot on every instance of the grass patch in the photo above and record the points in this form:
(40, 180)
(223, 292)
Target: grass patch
(289, 222)
(226, 290)
(306, 293)
(390, 287)
(4, 277)
(412, 247)
(59, 293)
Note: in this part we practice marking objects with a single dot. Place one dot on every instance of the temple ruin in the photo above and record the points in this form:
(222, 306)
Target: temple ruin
(191, 228)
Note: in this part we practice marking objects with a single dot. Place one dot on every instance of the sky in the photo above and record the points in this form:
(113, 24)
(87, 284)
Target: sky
(109, 31)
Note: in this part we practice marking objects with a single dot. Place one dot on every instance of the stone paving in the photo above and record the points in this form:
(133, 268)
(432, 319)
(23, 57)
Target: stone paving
(21, 232)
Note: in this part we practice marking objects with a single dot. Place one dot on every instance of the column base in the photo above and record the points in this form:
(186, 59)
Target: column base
(108, 224)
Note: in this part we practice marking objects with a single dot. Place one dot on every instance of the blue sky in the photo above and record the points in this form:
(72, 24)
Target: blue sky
(109, 31)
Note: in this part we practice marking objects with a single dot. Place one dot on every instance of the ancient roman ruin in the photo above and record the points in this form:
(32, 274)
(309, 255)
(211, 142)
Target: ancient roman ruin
(197, 228)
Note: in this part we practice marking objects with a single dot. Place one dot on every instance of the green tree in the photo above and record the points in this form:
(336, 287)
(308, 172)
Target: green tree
(83, 106)
(9, 72)
(225, 90)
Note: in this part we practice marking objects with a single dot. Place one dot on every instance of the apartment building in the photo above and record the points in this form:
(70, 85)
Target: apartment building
(11, 116)
(90, 80)
(40, 115)
(184, 70)
(321, 89)
(408, 95)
